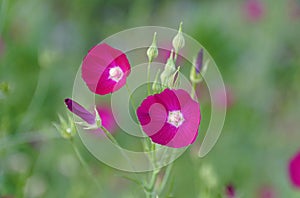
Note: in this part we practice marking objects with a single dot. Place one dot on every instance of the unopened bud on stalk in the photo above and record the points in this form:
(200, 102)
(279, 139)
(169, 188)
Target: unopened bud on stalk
(169, 70)
(178, 41)
(198, 70)
(65, 127)
(199, 61)
(174, 80)
(152, 51)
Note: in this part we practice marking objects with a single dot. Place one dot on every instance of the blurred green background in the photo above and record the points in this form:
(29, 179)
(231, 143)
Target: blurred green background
(257, 49)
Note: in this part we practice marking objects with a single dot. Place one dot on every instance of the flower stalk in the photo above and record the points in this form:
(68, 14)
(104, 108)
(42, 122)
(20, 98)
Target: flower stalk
(152, 53)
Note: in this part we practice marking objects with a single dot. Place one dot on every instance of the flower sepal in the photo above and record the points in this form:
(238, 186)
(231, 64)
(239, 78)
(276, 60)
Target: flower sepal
(97, 124)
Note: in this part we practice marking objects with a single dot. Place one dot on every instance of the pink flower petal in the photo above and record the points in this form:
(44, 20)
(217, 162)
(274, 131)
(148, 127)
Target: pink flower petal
(143, 110)
(107, 118)
(168, 99)
(164, 135)
(157, 116)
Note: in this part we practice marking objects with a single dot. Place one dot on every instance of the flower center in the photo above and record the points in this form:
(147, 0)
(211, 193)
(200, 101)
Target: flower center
(115, 73)
(175, 118)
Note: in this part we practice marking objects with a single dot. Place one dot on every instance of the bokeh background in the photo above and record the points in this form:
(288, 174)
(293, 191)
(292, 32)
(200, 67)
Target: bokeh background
(255, 43)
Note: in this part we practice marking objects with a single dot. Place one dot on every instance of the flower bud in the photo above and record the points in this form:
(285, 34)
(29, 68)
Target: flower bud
(197, 77)
(152, 51)
(66, 128)
(174, 79)
(199, 61)
(169, 70)
(178, 41)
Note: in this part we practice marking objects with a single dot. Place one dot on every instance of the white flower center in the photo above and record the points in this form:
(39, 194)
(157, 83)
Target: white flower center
(115, 73)
(175, 118)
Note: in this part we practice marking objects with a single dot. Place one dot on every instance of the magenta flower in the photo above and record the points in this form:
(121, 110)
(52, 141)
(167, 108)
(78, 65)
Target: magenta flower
(294, 170)
(254, 9)
(170, 118)
(105, 113)
(230, 191)
(105, 69)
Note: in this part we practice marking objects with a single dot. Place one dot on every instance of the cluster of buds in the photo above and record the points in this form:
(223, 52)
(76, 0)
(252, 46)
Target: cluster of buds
(170, 75)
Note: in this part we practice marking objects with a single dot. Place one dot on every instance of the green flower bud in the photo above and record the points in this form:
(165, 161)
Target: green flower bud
(152, 51)
(169, 70)
(178, 41)
(174, 81)
(66, 128)
(170, 65)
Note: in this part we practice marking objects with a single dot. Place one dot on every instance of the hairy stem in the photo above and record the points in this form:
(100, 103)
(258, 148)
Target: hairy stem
(193, 91)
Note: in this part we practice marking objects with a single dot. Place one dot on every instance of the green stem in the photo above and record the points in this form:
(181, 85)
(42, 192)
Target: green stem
(166, 177)
(132, 180)
(194, 85)
(145, 145)
(109, 135)
(153, 154)
(148, 77)
(84, 164)
(130, 97)
(151, 188)
(175, 56)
